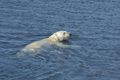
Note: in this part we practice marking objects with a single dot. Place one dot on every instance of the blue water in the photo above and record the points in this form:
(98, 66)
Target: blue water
(95, 41)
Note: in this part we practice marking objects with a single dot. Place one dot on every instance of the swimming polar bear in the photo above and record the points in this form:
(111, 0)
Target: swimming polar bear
(55, 38)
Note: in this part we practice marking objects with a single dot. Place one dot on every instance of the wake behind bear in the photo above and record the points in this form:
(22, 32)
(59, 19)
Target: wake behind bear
(55, 39)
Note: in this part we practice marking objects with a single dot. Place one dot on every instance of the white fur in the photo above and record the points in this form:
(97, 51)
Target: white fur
(56, 38)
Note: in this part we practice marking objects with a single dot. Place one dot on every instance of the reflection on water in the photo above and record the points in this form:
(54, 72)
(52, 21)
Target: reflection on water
(94, 46)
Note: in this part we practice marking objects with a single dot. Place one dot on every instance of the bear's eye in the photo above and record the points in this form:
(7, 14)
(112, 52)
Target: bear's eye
(64, 33)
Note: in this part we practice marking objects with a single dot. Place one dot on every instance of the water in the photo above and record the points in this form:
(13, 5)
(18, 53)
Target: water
(95, 41)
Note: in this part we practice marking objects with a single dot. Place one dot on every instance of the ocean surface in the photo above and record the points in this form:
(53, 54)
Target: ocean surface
(94, 52)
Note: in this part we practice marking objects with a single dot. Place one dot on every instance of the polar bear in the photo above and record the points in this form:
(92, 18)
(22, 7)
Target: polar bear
(55, 38)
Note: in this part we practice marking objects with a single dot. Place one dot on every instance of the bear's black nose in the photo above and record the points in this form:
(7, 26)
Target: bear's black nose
(70, 34)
